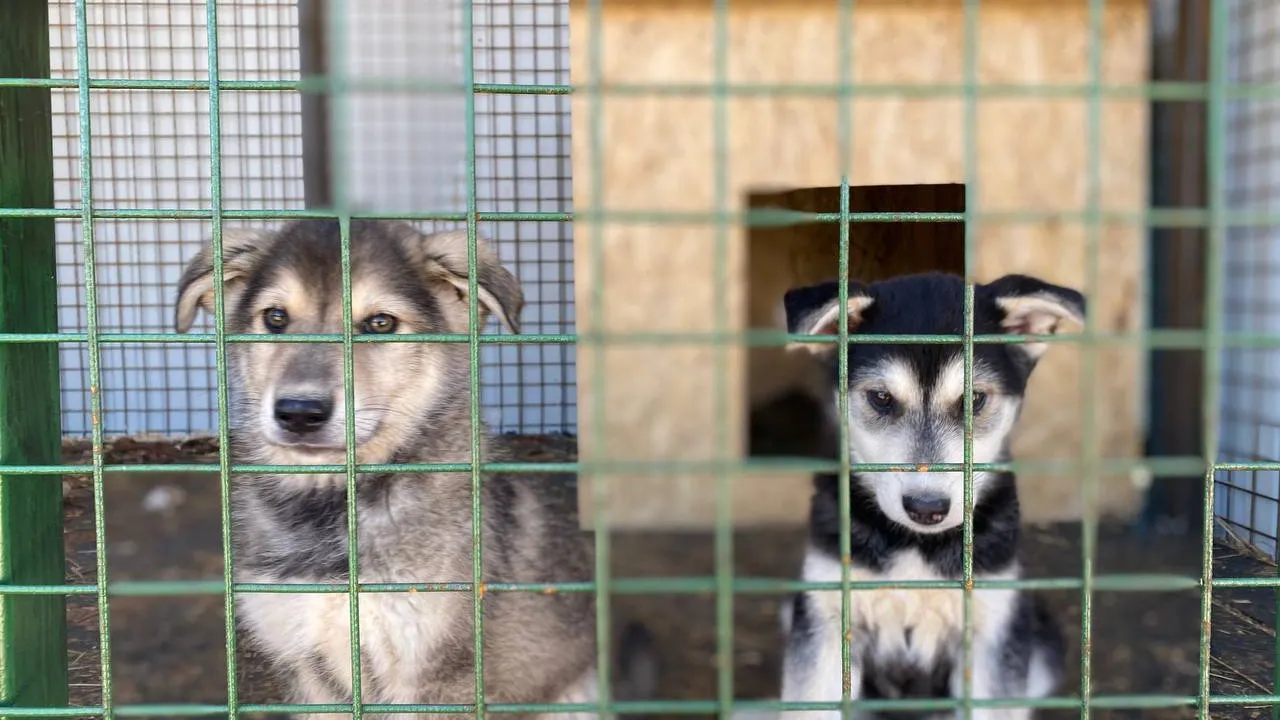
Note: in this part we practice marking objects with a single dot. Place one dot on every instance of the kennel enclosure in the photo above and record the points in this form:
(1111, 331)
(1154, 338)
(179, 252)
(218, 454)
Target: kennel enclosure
(677, 213)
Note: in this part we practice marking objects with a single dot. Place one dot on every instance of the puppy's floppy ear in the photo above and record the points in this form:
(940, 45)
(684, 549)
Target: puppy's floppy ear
(444, 257)
(240, 248)
(1034, 307)
(815, 310)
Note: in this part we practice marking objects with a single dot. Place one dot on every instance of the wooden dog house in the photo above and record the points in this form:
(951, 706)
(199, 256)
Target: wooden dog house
(638, 153)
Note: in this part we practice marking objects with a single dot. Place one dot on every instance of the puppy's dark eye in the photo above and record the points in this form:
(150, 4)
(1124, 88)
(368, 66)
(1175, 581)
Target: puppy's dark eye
(880, 400)
(380, 324)
(275, 320)
(979, 401)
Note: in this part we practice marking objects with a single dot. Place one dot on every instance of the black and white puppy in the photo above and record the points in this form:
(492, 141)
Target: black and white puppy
(905, 405)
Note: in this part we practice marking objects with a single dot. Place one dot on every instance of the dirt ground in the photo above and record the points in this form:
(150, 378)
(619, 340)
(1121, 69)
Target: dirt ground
(173, 649)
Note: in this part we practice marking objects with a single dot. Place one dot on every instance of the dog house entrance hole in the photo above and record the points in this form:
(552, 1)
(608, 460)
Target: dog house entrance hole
(782, 389)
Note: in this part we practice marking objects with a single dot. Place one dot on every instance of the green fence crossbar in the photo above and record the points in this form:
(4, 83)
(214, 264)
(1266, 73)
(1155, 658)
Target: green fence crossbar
(680, 707)
(1150, 339)
(760, 217)
(676, 586)
(28, 592)
(1159, 91)
(1156, 467)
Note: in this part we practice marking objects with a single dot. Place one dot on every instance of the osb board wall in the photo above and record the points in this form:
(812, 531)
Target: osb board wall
(658, 153)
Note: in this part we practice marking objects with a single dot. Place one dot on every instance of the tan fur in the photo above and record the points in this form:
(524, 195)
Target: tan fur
(935, 617)
(827, 322)
(1033, 315)
(236, 243)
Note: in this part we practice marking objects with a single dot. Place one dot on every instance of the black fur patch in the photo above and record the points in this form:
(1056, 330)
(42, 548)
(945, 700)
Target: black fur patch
(803, 628)
(874, 538)
(897, 311)
(900, 680)
(312, 540)
(1032, 629)
(931, 304)
(503, 498)
(321, 670)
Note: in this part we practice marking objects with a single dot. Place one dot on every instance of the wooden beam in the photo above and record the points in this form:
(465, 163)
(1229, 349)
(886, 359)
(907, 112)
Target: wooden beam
(33, 649)
(1177, 267)
(317, 161)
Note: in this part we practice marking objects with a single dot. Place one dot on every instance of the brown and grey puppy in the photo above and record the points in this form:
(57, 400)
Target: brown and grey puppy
(412, 405)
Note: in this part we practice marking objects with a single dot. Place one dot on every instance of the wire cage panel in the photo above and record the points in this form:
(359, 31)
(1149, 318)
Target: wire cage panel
(151, 154)
(1247, 502)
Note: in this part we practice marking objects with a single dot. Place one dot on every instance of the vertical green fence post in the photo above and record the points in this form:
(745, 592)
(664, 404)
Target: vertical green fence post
(1215, 278)
(33, 649)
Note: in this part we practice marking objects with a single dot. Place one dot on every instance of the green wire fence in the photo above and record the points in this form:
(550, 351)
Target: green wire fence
(32, 623)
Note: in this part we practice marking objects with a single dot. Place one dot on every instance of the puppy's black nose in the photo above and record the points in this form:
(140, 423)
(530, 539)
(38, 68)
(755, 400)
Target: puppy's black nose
(927, 509)
(302, 415)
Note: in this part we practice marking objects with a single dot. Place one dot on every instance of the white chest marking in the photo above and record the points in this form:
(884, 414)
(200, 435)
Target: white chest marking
(919, 623)
(398, 632)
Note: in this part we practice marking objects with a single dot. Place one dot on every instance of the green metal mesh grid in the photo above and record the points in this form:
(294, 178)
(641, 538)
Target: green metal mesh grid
(1212, 339)
(152, 150)
(1247, 500)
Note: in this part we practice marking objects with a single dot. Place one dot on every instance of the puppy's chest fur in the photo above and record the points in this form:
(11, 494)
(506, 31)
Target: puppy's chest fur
(302, 538)
(418, 647)
(404, 638)
(908, 641)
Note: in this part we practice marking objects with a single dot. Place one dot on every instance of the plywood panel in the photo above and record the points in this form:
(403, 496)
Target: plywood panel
(658, 153)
